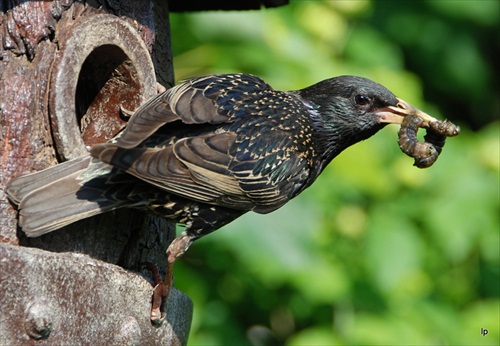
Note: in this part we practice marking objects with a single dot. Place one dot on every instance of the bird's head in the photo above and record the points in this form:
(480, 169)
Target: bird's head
(348, 109)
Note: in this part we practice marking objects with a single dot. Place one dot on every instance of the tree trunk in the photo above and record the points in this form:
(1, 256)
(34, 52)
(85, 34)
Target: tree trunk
(66, 68)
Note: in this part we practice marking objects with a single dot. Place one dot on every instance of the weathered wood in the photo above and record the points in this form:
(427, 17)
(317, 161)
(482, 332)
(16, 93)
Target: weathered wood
(66, 68)
(46, 298)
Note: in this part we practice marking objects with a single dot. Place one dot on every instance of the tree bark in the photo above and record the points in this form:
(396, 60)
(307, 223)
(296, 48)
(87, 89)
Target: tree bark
(66, 68)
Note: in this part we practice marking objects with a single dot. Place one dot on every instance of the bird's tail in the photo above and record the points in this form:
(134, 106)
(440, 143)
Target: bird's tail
(55, 197)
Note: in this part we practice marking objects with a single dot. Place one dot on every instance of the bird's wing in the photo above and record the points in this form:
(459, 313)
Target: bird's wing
(194, 167)
(239, 167)
(274, 175)
(201, 168)
(201, 100)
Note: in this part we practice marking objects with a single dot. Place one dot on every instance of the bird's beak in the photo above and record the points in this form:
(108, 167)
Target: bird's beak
(395, 114)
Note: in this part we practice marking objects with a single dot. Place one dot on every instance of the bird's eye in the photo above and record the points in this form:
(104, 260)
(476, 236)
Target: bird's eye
(362, 100)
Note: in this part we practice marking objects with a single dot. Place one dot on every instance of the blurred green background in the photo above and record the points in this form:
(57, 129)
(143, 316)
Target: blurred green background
(376, 252)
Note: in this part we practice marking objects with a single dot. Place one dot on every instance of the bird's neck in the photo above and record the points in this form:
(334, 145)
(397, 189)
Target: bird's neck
(331, 138)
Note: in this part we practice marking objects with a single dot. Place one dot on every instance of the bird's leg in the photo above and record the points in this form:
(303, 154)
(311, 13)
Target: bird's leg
(162, 289)
(158, 307)
(205, 221)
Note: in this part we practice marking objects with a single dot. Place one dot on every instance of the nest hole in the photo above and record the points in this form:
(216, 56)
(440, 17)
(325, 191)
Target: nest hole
(107, 82)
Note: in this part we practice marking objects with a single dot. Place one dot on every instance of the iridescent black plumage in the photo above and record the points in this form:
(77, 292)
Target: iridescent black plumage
(208, 150)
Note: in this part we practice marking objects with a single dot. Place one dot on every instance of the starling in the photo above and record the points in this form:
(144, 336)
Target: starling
(207, 151)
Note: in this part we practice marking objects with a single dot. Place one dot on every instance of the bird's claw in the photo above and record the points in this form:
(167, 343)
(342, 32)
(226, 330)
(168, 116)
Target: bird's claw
(158, 311)
(125, 113)
(160, 88)
(162, 288)
(161, 291)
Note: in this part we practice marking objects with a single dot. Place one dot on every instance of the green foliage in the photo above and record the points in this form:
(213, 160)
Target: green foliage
(377, 251)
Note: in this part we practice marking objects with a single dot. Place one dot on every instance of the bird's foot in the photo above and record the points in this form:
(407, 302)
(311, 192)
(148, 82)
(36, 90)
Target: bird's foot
(161, 292)
(125, 114)
(160, 88)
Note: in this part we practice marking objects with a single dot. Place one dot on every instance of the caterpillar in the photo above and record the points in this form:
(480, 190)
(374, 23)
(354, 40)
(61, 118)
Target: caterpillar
(427, 152)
